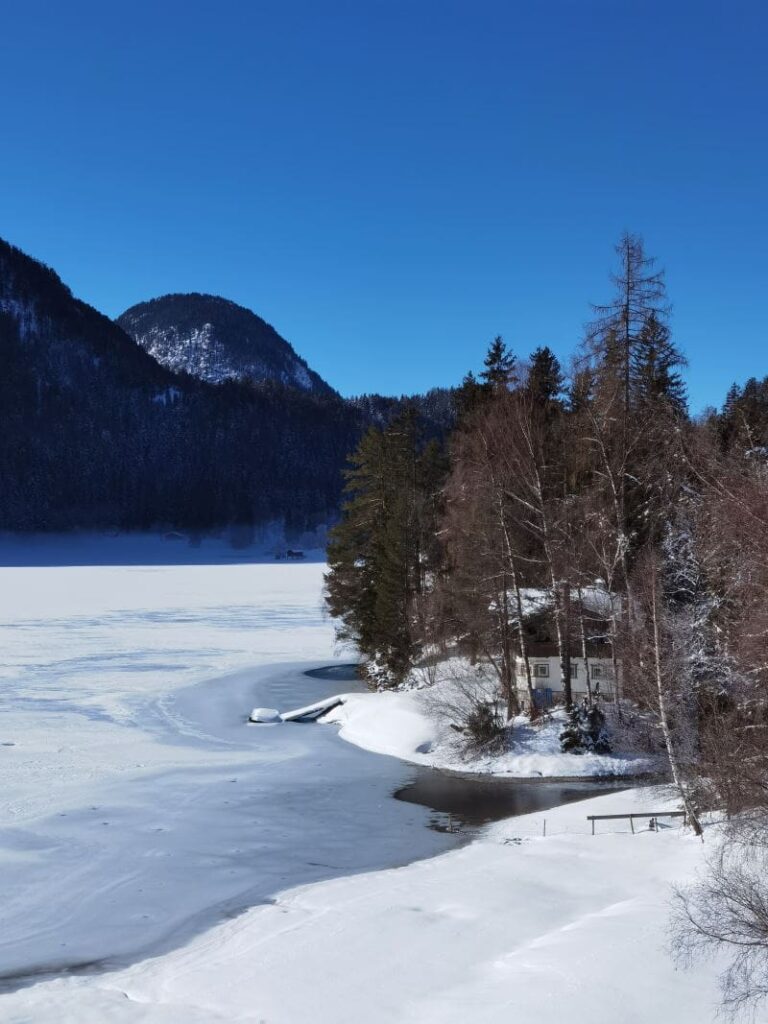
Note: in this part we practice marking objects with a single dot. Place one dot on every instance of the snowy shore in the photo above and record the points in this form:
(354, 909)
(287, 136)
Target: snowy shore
(406, 725)
(515, 926)
(139, 810)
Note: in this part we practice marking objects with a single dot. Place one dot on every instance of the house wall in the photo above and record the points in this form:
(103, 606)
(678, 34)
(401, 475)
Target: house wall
(601, 671)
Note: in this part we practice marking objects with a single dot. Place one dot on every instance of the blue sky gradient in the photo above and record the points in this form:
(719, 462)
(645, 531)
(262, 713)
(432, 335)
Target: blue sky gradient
(393, 183)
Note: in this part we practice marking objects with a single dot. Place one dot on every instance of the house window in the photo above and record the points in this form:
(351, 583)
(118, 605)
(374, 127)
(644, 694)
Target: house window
(574, 671)
(541, 670)
(596, 671)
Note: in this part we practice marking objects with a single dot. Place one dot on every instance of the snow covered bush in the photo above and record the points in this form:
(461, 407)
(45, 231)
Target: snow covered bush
(586, 730)
(484, 728)
(468, 699)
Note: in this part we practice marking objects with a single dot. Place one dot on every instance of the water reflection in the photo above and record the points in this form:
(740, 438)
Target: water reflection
(341, 673)
(465, 802)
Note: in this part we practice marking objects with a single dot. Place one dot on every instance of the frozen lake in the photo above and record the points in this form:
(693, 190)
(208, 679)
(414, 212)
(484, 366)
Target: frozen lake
(137, 805)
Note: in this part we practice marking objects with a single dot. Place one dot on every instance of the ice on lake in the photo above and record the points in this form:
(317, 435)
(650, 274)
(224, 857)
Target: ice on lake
(137, 806)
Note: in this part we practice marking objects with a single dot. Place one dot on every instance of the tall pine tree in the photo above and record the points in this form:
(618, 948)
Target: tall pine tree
(381, 550)
(545, 377)
(655, 370)
(500, 366)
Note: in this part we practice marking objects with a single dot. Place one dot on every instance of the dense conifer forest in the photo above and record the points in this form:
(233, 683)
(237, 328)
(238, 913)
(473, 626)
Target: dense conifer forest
(96, 433)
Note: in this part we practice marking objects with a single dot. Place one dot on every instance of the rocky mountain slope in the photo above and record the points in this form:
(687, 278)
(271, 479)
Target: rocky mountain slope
(215, 340)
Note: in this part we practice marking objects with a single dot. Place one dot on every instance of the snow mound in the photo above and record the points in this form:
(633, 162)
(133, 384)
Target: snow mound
(265, 716)
(406, 725)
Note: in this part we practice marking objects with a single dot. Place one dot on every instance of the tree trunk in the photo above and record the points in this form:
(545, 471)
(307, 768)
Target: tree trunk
(523, 641)
(669, 741)
(566, 646)
(584, 651)
(515, 579)
(507, 660)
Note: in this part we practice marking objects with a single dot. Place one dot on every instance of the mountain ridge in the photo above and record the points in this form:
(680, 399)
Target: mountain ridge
(96, 433)
(216, 339)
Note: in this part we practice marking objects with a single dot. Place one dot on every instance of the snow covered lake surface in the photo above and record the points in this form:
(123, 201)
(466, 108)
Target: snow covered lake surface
(267, 869)
(137, 807)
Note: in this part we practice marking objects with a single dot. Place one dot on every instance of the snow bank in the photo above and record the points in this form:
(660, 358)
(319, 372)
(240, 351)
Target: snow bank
(386, 723)
(408, 725)
(514, 927)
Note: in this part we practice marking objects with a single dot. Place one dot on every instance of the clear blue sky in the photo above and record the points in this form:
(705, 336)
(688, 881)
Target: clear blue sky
(392, 183)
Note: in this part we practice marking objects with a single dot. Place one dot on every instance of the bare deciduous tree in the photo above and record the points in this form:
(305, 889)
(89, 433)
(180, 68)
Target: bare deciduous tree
(726, 911)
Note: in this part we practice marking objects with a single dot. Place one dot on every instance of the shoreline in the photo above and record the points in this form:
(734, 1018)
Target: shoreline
(179, 711)
(506, 912)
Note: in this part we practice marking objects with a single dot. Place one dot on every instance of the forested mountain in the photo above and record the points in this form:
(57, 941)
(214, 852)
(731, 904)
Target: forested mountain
(436, 409)
(215, 340)
(96, 433)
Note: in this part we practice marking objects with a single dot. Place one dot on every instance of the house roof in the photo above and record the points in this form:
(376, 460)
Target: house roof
(596, 601)
(549, 650)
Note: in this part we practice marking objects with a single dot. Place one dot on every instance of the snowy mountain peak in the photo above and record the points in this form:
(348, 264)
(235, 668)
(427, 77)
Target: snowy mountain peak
(215, 340)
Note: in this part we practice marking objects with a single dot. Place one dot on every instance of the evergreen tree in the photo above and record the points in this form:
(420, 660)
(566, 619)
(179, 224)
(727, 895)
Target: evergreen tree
(581, 390)
(500, 366)
(640, 293)
(585, 730)
(596, 730)
(572, 735)
(469, 396)
(655, 369)
(545, 377)
(379, 553)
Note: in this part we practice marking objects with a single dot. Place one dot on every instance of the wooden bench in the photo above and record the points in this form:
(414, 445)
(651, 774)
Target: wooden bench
(645, 814)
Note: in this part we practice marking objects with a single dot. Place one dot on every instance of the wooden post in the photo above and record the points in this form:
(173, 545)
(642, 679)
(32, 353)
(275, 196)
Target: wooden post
(593, 826)
(632, 824)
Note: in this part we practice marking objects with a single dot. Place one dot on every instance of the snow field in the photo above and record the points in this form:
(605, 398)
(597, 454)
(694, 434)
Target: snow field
(134, 801)
(509, 928)
(86, 649)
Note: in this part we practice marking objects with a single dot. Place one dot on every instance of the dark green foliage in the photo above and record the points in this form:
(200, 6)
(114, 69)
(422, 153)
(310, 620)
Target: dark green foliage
(500, 365)
(500, 374)
(572, 737)
(581, 391)
(485, 728)
(743, 422)
(436, 409)
(585, 731)
(597, 735)
(469, 396)
(384, 546)
(655, 370)
(545, 377)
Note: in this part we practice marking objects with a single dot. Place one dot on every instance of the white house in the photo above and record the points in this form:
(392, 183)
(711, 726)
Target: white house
(547, 676)
(596, 608)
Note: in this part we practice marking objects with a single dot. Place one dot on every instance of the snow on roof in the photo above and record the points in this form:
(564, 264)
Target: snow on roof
(595, 600)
